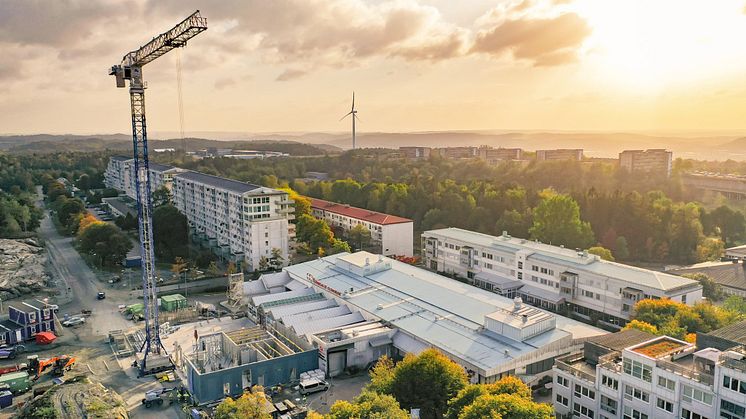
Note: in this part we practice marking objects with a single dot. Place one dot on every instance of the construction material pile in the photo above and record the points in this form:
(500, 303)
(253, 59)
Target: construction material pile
(22, 267)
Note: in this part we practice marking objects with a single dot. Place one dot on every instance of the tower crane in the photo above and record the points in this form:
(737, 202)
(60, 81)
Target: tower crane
(131, 69)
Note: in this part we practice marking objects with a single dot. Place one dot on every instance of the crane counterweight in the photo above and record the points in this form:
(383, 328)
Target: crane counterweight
(131, 69)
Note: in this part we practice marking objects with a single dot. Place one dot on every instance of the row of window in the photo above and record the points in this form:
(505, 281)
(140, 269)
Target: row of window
(734, 384)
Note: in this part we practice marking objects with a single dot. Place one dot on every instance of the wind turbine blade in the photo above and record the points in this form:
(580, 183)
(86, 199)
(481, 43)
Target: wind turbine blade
(357, 117)
(346, 115)
(353, 100)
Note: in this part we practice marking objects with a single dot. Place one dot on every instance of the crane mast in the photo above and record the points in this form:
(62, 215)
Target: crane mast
(131, 69)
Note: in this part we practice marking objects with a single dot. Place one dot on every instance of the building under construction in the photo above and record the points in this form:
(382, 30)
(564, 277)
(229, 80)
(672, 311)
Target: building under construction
(226, 363)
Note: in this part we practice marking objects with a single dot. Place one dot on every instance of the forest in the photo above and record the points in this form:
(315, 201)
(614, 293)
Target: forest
(576, 204)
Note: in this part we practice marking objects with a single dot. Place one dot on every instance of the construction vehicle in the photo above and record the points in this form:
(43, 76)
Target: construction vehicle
(59, 364)
(130, 69)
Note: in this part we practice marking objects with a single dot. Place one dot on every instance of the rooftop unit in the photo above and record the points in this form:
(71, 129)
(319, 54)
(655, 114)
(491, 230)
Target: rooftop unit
(521, 323)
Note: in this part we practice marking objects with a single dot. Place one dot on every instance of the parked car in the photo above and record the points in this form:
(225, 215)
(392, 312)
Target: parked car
(101, 295)
(312, 386)
(73, 321)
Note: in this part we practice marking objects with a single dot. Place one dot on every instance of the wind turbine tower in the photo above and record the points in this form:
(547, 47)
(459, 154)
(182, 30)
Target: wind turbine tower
(352, 112)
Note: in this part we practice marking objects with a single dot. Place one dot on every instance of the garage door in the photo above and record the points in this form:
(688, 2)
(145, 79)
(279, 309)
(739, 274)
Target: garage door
(337, 363)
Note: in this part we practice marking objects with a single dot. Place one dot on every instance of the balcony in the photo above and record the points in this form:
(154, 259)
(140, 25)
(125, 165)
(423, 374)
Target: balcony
(685, 371)
(576, 366)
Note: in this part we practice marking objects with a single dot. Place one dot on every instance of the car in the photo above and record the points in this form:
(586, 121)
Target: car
(101, 295)
(312, 386)
(73, 321)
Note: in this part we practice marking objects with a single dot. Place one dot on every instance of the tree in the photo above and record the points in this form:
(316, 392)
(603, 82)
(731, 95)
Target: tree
(249, 406)
(161, 196)
(368, 405)
(506, 406)
(557, 221)
(313, 231)
(212, 269)
(339, 246)
(601, 252)
(68, 212)
(641, 325)
(382, 376)
(106, 242)
(87, 221)
(710, 249)
(179, 266)
(729, 224)
(170, 233)
(710, 289)
(427, 381)
(276, 260)
(735, 304)
(360, 235)
(622, 249)
(231, 268)
(469, 394)
(263, 264)
(84, 182)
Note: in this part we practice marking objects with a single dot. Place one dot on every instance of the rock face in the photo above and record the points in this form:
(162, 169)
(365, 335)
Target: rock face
(22, 267)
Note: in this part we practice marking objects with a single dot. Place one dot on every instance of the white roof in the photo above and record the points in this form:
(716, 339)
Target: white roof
(569, 258)
(308, 316)
(261, 299)
(287, 310)
(315, 326)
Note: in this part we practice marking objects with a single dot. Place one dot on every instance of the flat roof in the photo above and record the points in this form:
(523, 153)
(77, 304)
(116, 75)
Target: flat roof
(357, 213)
(569, 258)
(222, 183)
(660, 347)
(622, 339)
(159, 167)
(735, 332)
(438, 311)
(121, 158)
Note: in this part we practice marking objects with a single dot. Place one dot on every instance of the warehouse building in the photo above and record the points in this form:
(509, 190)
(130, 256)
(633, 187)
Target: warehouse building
(552, 277)
(394, 234)
(356, 307)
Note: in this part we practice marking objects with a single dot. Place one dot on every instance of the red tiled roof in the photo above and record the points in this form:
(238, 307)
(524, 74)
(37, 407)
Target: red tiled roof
(358, 213)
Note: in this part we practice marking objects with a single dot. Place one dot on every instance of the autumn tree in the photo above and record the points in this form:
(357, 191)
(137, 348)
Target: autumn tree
(369, 405)
(360, 236)
(710, 289)
(251, 405)
(601, 252)
(506, 406)
(641, 325)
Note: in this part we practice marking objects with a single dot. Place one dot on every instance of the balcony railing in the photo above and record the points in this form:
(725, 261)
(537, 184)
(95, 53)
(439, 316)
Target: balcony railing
(577, 372)
(687, 372)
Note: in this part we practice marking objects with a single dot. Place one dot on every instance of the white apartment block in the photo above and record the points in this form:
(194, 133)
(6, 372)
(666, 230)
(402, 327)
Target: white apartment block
(551, 277)
(647, 161)
(394, 234)
(120, 175)
(241, 221)
(658, 377)
(575, 154)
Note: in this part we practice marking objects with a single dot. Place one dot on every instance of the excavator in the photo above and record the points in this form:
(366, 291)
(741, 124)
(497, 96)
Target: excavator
(59, 364)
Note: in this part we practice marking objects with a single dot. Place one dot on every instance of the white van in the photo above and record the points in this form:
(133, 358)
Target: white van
(312, 385)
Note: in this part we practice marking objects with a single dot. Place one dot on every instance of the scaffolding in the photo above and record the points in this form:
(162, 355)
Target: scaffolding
(235, 290)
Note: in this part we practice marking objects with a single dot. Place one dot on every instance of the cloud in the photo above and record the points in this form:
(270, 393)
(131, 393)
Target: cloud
(224, 82)
(542, 41)
(291, 74)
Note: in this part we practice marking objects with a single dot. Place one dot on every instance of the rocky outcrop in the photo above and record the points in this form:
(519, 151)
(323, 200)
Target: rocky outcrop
(22, 267)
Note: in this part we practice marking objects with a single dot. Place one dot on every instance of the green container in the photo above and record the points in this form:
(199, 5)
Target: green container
(173, 302)
(18, 382)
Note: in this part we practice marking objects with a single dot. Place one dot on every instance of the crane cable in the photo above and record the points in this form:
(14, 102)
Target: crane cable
(181, 100)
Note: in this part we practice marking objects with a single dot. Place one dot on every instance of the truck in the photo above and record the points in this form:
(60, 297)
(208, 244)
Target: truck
(13, 368)
(17, 382)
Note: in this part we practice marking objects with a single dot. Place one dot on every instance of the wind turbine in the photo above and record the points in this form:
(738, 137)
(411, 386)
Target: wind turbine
(352, 112)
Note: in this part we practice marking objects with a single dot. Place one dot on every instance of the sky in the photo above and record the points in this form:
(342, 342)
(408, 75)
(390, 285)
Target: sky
(292, 65)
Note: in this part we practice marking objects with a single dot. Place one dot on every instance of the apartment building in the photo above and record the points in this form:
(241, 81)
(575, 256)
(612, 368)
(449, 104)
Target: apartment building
(394, 234)
(415, 152)
(465, 152)
(240, 221)
(551, 277)
(656, 160)
(631, 376)
(495, 155)
(575, 154)
(120, 175)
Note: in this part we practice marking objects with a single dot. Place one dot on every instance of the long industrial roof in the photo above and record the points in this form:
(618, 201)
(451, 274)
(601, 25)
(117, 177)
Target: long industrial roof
(438, 311)
(569, 258)
(357, 213)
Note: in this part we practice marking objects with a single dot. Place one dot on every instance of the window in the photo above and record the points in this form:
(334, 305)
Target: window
(585, 391)
(534, 268)
(630, 413)
(631, 393)
(638, 370)
(520, 275)
(730, 410)
(609, 405)
(562, 400)
(520, 265)
(610, 382)
(582, 410)
(564, 382)
(734, 384)
(683, 299)
(686, 414)
(664, 404)
(691, 393)
(666, 383)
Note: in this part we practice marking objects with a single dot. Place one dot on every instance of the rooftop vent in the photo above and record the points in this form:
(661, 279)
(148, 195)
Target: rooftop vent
(517, 303)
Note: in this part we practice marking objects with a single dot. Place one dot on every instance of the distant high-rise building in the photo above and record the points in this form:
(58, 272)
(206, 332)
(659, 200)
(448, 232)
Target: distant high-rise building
(656, 160)
(458, 152)
(415, 152)
(575, 154)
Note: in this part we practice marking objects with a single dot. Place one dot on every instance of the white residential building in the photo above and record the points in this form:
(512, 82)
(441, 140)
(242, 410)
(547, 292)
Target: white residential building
(242, 222)
(120, 175)
(394, 234)
(551, 277)
(650, 377)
